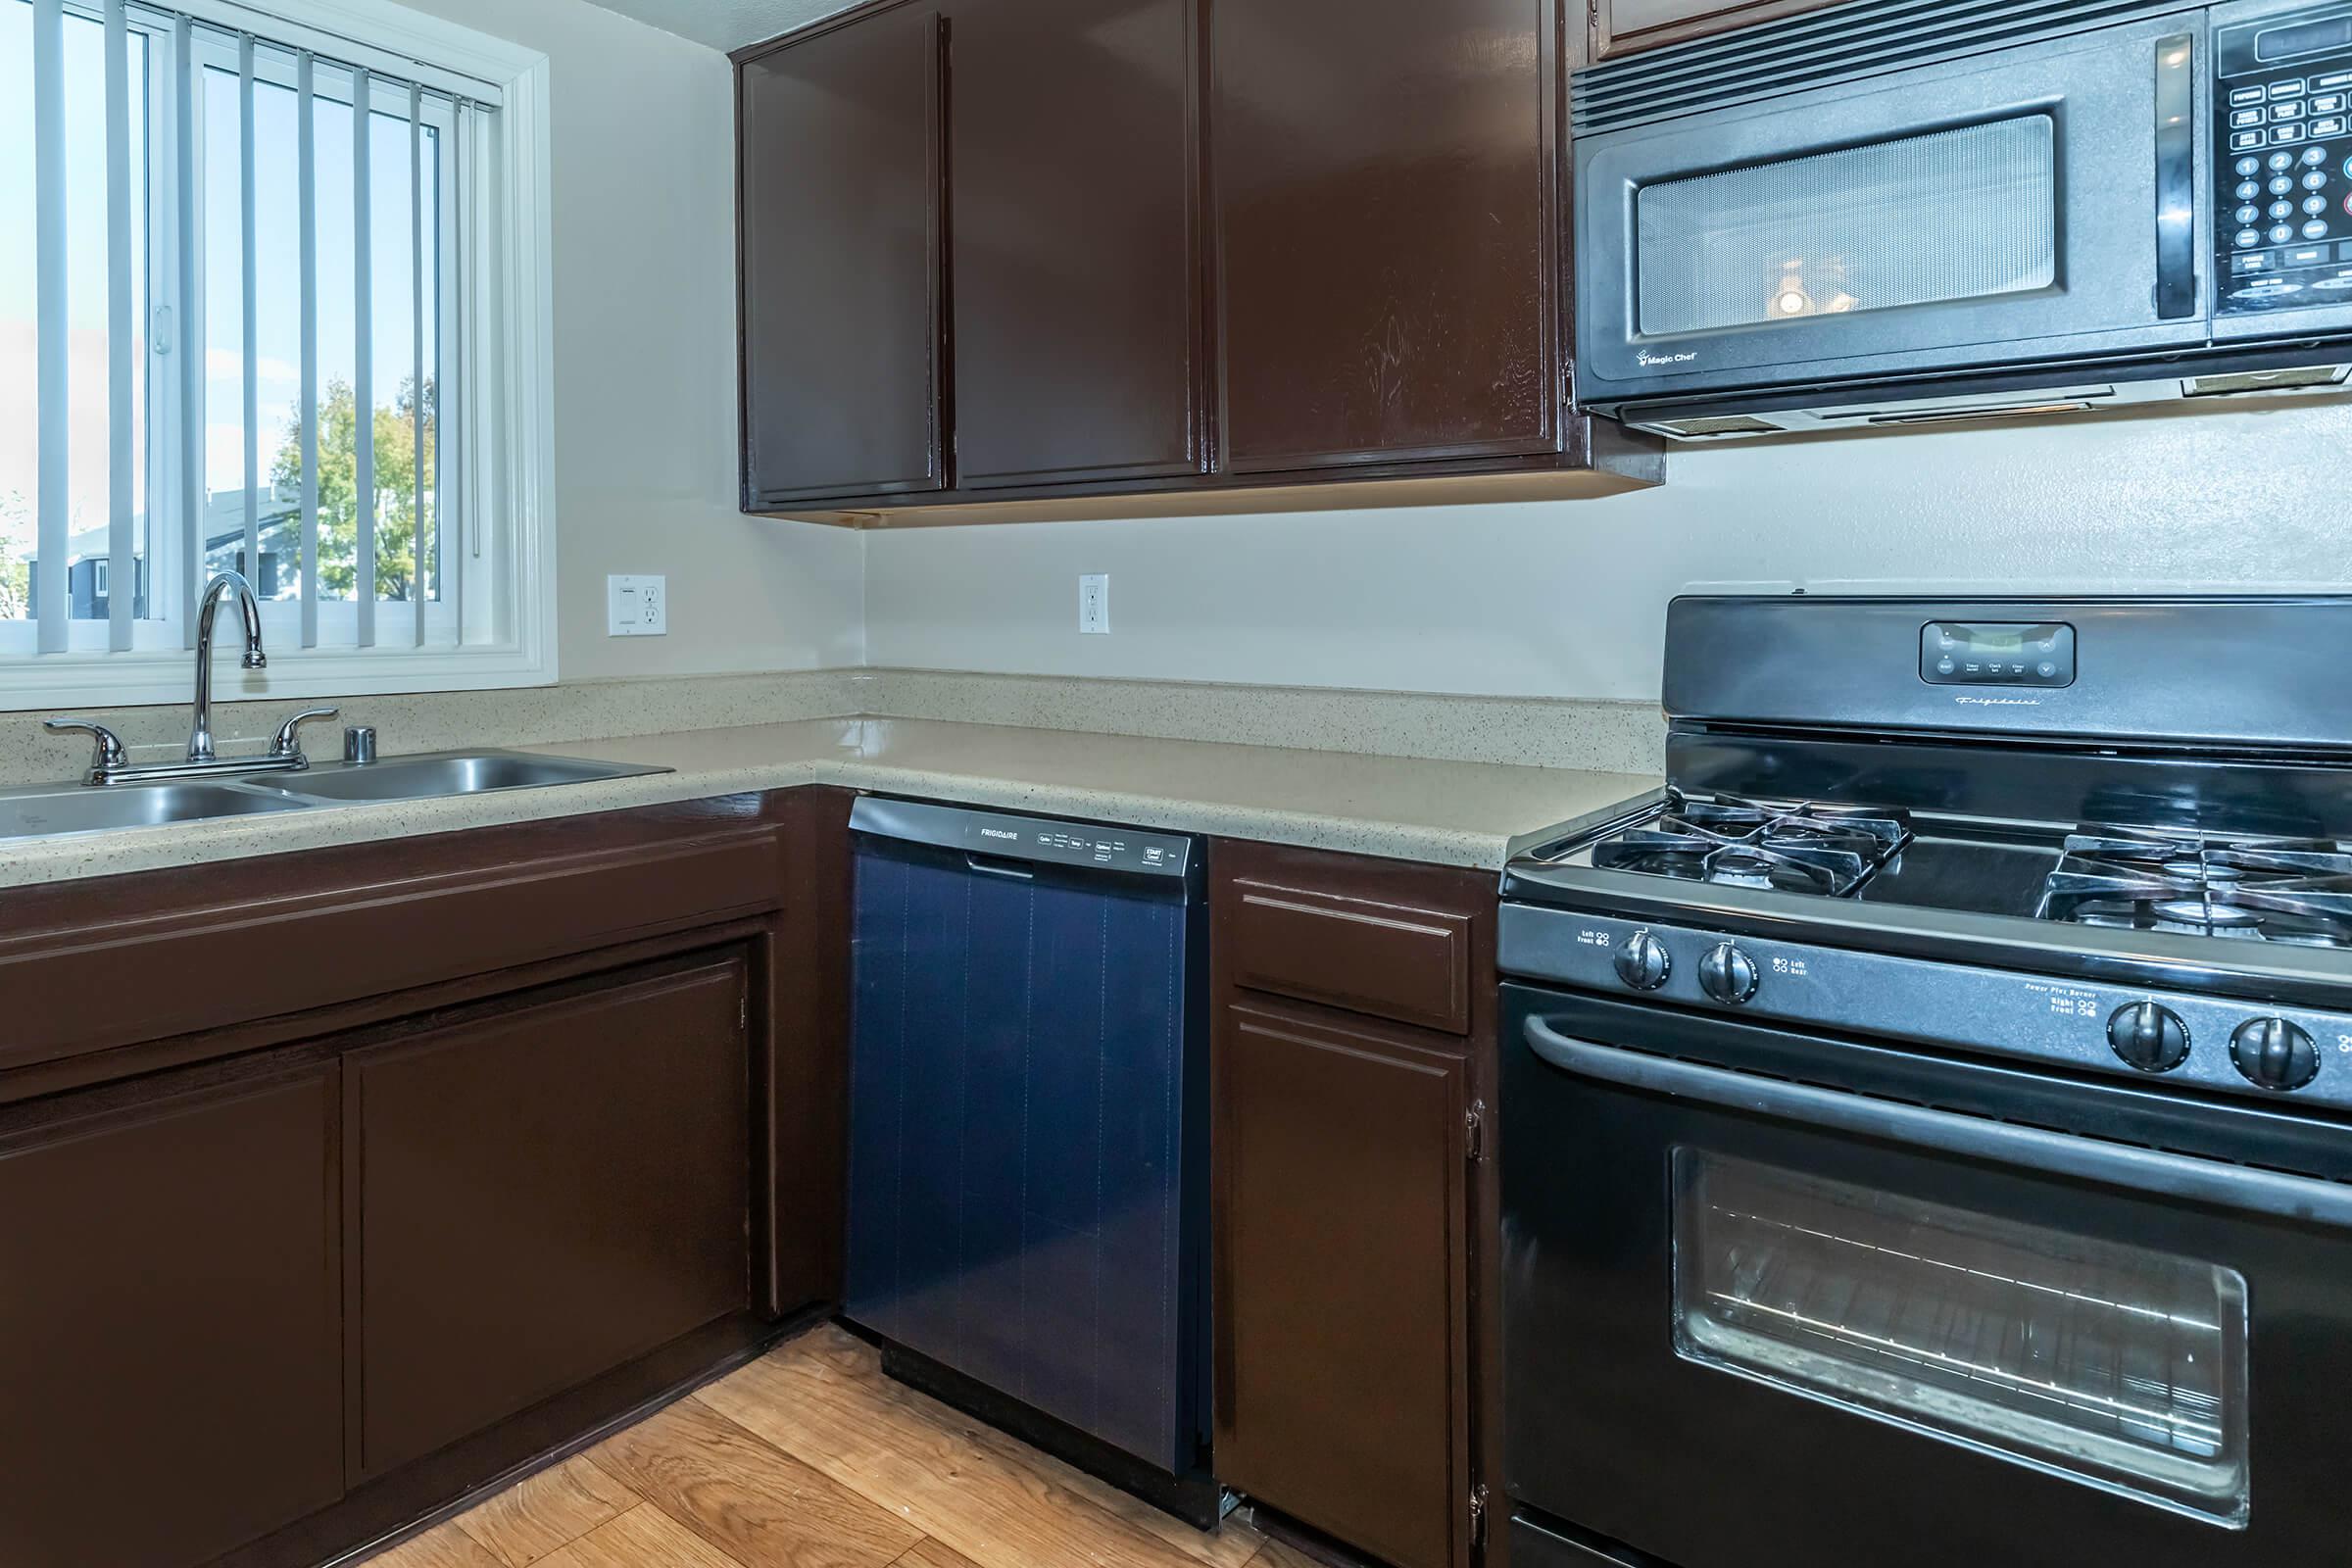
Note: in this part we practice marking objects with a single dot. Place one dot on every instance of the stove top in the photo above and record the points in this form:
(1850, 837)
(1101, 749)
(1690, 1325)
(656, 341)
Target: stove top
(2282, 890)
(1800, 848)
(2247, 888)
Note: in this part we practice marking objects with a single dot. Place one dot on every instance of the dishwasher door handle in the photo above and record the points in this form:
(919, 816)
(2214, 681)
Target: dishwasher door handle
(2148, 1171)
(1004, 869)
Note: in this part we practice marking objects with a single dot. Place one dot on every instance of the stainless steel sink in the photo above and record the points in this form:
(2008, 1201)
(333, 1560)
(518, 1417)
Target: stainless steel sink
(414, 778)
(87, 809)
(50, 812)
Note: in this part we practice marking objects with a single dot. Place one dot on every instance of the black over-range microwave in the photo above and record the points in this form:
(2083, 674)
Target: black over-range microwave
(1899, 212)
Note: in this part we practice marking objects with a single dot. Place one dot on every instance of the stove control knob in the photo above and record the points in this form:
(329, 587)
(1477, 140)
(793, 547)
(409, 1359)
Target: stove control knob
(2275, 1054)
(1644, 962)
(1727, 975)
(2150, 1038)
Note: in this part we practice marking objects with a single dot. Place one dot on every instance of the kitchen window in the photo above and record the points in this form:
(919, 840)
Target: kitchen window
(272, 304)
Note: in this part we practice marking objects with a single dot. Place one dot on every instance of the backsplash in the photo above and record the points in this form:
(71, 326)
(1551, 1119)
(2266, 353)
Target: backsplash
(1609, 737)
(1567, 600)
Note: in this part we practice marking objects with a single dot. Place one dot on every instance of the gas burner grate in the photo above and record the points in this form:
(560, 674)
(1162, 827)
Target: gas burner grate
(1733, 842)
(2296, 891)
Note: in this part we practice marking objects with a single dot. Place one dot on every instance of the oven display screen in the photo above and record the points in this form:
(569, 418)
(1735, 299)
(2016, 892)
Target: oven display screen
(1955, 653)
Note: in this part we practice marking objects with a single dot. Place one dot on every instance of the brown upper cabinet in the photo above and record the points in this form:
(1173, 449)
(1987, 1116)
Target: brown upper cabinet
(1032, 258)
(1077, 259)
(1388, 244)
(1624, 27)
(840, 239)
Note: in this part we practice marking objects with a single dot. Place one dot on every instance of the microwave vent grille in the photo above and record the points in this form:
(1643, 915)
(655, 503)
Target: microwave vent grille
(1822, 48)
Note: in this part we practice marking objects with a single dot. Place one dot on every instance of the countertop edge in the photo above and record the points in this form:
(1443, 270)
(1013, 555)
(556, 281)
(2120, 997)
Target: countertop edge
(35, 863)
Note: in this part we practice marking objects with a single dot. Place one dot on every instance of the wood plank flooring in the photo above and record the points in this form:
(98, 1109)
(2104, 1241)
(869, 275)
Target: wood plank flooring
(812, 1458)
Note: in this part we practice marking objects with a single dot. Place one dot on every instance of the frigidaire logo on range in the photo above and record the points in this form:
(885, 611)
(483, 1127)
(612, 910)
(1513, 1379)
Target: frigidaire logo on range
(1998, 702)
(1645, 358)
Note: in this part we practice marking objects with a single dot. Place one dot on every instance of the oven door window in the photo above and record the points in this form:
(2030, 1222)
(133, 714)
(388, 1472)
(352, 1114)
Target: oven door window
(1951, 216)
(2119, 1368)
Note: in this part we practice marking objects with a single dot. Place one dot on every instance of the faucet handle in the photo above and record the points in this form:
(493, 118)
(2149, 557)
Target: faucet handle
(107, 757)
(286, 745)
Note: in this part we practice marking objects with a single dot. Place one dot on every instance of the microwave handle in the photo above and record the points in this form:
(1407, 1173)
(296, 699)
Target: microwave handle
(2177, 177)
(2148, 1171)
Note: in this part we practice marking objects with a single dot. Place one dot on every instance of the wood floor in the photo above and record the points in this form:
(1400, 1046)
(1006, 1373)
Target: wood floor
(812, 1458)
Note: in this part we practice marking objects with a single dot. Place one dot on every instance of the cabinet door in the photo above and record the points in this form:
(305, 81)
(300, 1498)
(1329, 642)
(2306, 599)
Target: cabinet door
(1624, 27)
(169, 1327)
(1385, 211)
(1077, 275)
(1341, 1279)
(839, 182)
(542, 1191)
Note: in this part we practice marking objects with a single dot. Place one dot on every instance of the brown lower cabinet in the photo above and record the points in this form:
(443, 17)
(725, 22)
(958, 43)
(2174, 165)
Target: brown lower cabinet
(1350, 1070)
(342, 1184)
(540, 1192)
(1342, 1232)
(171, 1360)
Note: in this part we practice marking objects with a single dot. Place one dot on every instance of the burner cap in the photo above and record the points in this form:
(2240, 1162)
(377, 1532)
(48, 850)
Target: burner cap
(2200, 915)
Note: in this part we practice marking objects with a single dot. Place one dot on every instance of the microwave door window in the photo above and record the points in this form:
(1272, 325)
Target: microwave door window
(1950, 217)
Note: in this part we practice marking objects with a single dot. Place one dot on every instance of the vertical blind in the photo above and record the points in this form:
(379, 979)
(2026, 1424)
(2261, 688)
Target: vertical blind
(167, 75)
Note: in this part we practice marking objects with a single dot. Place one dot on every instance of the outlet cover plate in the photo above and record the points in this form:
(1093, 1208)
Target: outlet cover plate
(637, 607)
(1094, 603)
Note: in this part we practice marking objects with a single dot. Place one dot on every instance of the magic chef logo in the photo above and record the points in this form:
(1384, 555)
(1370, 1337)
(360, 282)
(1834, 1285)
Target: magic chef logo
(1649, 360)
(1998, 702)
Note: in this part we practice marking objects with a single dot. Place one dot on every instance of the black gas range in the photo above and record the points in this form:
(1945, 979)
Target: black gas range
(1941, 1093)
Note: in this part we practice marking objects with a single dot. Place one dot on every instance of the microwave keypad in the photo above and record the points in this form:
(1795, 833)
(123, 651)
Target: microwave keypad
(2285, 227)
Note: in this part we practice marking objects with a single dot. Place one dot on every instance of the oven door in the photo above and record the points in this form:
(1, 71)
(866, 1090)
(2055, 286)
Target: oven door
(1773, 1300)
(2030, 204)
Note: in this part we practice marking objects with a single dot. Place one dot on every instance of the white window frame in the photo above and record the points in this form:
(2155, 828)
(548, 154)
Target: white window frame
(502, 422)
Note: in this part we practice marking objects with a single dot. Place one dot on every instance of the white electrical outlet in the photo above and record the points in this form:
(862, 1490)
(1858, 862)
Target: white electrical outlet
(637, 607)
(1094, 603)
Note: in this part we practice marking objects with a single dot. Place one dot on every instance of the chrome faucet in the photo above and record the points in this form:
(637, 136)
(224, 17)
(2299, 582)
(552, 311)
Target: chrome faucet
(200, 740)
(111, 764)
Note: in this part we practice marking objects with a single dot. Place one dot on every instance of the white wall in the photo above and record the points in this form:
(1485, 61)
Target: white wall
(1568, 599)
(644, 257)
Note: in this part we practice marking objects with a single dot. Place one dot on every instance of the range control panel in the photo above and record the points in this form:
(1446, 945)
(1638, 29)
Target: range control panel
(1957, 653)
(2218, 1045)
(2285, 160)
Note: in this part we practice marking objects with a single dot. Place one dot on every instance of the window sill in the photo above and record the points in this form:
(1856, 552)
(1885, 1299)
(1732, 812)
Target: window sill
(55, 683)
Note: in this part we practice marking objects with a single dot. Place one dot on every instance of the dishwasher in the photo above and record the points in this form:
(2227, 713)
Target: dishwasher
(1028, 1190)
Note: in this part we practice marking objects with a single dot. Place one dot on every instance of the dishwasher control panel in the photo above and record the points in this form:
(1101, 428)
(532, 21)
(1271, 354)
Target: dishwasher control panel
(997, 836)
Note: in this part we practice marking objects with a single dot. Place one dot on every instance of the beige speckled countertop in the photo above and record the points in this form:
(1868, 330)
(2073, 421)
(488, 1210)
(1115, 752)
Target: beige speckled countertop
(1452, 814)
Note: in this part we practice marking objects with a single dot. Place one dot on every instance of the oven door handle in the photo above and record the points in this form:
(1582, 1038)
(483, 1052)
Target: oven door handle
(2148, 1171)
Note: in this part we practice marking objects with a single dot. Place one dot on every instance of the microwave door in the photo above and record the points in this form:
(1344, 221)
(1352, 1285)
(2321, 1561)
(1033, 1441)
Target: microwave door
(2035, 203)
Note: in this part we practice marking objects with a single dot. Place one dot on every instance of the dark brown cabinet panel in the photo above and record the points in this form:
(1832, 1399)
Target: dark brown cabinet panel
(170, 1361)
(1385, 207)
(542, 1193)
(1342, 1226)
(1623, 27)
(841, 235)
(1368, 956)
(1076, 267)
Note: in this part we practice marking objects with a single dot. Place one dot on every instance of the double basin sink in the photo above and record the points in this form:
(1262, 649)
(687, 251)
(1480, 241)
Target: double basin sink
(49, 811)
